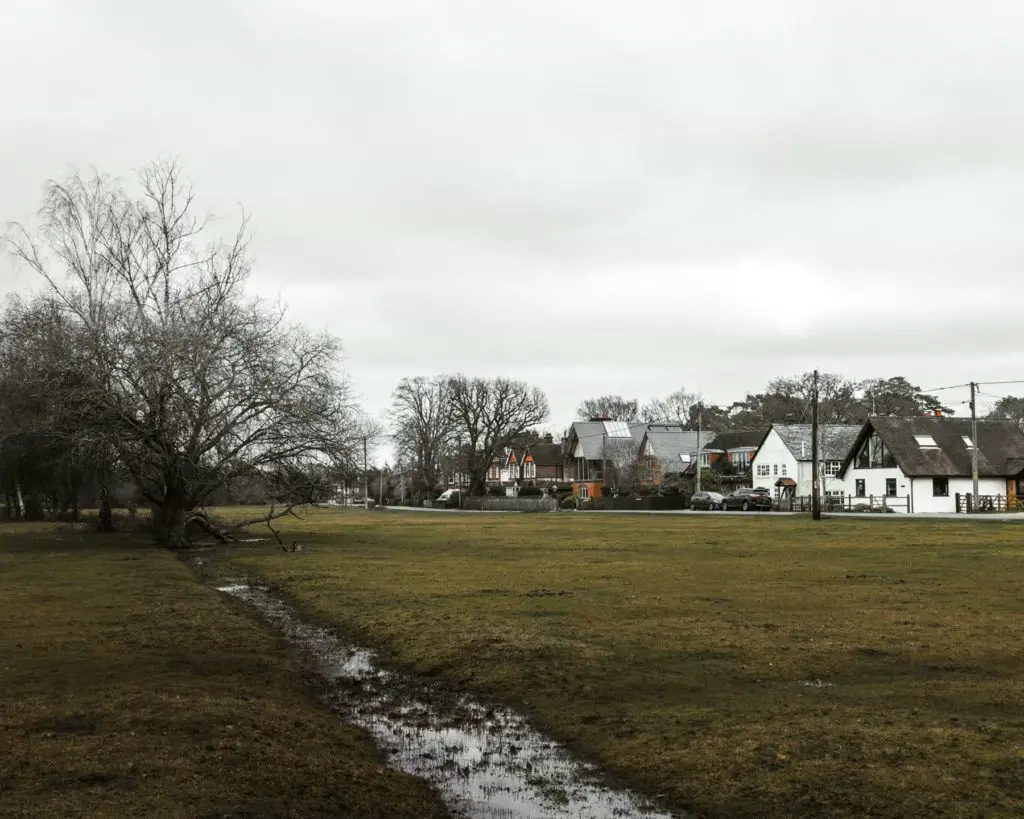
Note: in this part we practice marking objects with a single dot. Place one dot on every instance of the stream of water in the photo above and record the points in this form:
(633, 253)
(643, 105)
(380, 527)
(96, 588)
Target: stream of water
(487, 763)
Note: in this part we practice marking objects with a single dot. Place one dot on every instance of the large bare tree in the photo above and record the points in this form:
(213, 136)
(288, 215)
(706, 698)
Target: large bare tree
(489, 415)
(422, 423)
(191, 381)
(612, 407)
(678, 407)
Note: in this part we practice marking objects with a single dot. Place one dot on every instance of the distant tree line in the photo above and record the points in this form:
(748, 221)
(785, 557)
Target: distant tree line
(786, 400)
(145, 371)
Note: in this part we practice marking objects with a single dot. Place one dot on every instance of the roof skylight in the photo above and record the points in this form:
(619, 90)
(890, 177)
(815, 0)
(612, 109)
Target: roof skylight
(926, 441)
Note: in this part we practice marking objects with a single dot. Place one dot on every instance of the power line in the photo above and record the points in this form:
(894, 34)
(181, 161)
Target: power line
(996, 383)
(943, 389)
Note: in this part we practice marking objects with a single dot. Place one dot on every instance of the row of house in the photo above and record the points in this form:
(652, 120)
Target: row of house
(920, 464)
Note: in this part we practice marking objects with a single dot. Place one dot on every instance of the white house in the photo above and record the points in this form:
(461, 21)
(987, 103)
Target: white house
(783, 462)
(928, 461)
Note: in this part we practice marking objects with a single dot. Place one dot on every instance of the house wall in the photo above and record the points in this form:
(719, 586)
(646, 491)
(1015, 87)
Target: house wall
(830, 484)
(549, 472)
(587, 489)
(874, 482)
(774, 454)
(925, 501)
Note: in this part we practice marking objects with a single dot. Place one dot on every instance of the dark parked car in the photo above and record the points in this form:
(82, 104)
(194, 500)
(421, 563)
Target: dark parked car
(746, 499)
(705, 500)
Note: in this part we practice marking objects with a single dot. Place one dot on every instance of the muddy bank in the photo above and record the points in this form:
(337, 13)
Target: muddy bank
(487, 763)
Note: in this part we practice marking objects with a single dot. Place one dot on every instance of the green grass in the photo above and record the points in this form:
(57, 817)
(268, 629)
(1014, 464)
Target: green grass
(677, 652)
(127, 688)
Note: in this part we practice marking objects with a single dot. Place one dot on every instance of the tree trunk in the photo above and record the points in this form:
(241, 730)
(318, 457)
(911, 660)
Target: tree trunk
(169, 524)
(106, 514)
(31, 508)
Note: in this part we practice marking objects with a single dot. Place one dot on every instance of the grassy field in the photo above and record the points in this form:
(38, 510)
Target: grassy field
(739, 666)
(127, 688)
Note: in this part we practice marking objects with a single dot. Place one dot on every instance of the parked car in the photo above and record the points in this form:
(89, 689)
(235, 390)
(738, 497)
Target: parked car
(746, 499)
(449, 499)
(706, 500)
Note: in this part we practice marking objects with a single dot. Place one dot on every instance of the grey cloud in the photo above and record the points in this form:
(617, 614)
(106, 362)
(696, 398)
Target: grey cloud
(596, 197)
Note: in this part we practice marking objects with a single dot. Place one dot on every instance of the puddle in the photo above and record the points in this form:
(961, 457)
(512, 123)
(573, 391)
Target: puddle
(487, 763)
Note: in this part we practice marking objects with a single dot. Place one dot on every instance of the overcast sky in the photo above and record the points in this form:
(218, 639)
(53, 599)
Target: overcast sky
(595, 197)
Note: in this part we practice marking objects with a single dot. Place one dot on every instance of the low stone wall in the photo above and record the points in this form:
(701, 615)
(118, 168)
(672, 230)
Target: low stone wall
(510, 504)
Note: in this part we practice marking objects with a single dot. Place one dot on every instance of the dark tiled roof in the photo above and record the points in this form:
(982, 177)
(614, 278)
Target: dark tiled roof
(836, 440)
(735, 440)
(1000, 446)
(546, 454)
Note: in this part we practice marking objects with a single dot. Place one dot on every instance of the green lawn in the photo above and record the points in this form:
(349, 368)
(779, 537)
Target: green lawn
(741, 666)
(127, 688)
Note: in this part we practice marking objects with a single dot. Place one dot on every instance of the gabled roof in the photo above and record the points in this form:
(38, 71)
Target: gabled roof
(1000, 446)
(591, 436)
(835, 440)
(667, 443)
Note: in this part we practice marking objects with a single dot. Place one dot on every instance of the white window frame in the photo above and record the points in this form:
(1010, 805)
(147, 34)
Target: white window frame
(584, 492)
(783, 472)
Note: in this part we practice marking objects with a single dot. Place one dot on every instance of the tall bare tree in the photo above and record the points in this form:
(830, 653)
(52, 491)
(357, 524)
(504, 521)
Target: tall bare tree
(422, 428)
(620, 461)
(489, 414)
(678, 407)
(191, 381)
(612, 407)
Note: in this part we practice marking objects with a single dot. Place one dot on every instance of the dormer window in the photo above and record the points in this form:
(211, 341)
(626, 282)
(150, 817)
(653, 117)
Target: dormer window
(926, 442)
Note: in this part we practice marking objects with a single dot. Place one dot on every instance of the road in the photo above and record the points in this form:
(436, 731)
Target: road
(998, 517)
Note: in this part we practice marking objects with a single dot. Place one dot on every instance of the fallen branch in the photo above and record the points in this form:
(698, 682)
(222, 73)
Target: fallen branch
(203, 521)
(271, 515)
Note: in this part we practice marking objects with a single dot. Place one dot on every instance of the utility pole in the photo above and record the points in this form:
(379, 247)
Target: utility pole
(458, 468)
(380, 496)
(700, 421)
(815, 465)
(974, 449)
(366, 476)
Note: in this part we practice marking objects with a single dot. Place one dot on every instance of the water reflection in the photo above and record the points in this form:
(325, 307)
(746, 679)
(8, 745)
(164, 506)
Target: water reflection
(487, 763)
